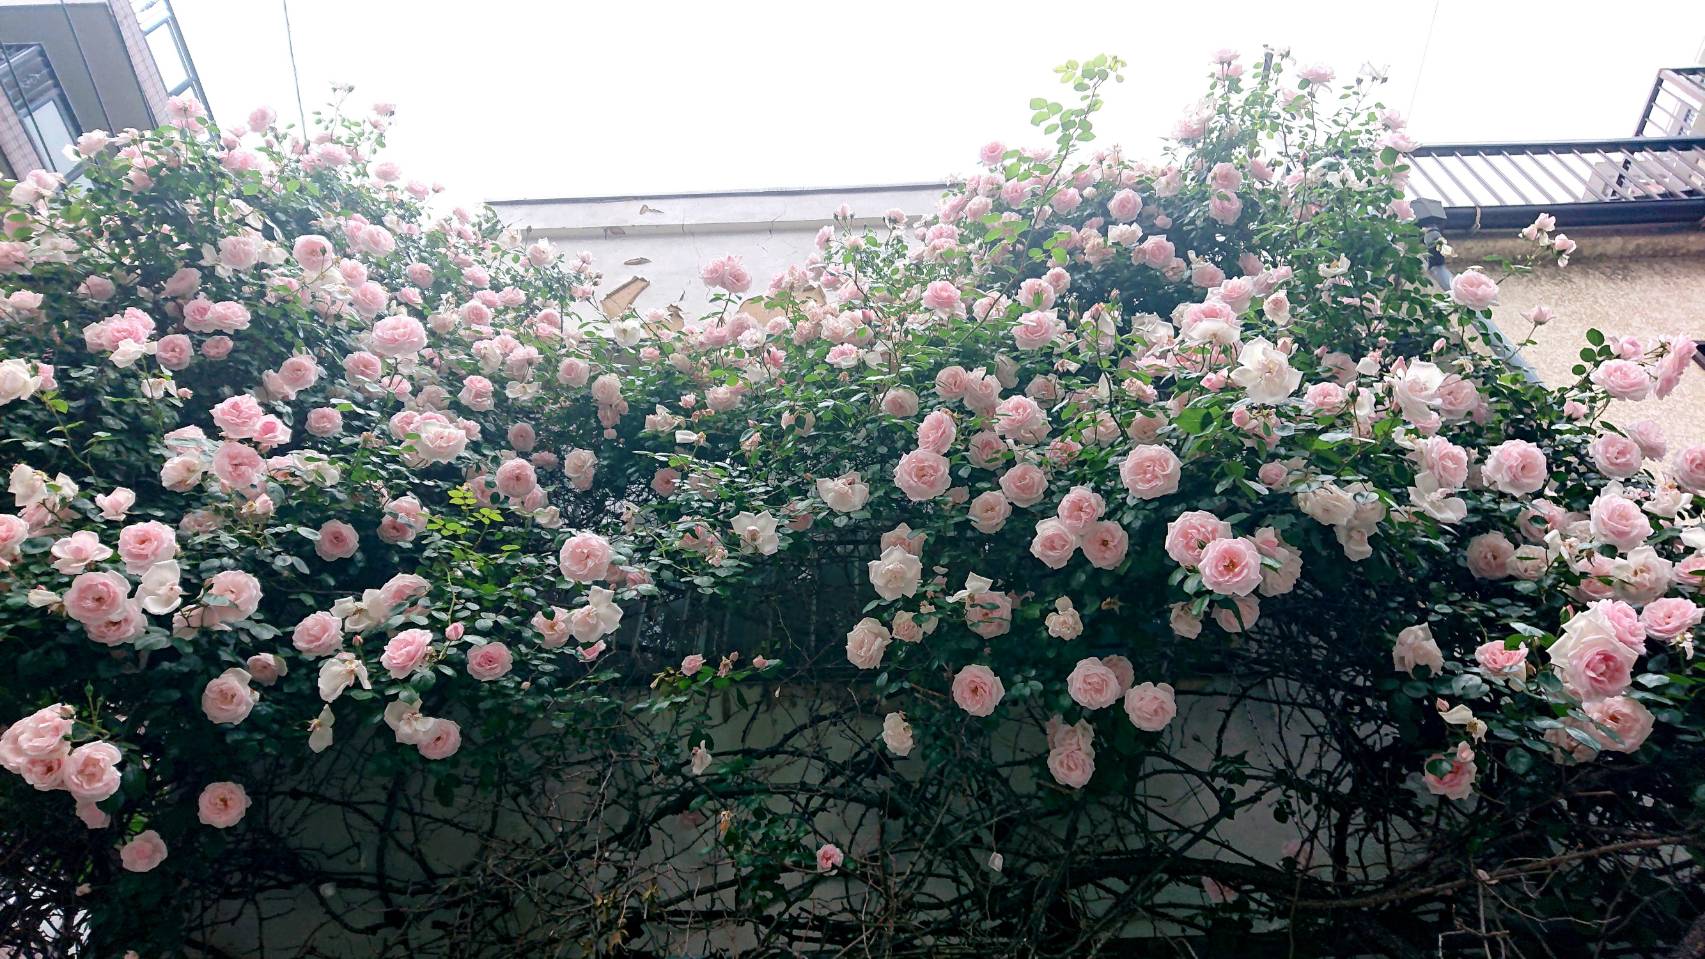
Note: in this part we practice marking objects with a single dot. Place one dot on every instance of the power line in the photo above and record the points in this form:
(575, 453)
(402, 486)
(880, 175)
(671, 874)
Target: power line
(1426, 46)
(295, 74)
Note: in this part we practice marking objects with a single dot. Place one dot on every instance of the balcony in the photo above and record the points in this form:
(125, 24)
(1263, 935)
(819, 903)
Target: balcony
(1655, 177)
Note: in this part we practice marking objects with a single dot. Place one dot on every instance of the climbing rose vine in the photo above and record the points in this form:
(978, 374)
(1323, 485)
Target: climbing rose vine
(1099, 459)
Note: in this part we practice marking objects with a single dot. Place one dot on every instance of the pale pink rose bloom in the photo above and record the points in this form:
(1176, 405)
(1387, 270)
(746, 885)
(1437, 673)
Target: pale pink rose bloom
(1474, 289)
(900, 402)
(490, 661)
(405, 652)
(937, 432)
(1592, 660)
(1150, 706)
(1080, 508)
(1618, 521)
(398, 336)
(1024, 484)
(241, 594)
(1688, 467)
(1456, 783)
(1495, 657)
(317, 633)
(1053, 543)
(691, 664)
(1489, 555)
(1669, 618)
(442, 740)
(141, 545)
(516, 478)
(896, 573)
(91, 772)
(40, 735)
(1072, 760)
(116, 505)
(585, 558)
(1104, 544)
(1231, 567)
(866, 642)
(922, 475)
(314, 253)
(1516, 467)
(227, 699)
(265, 668)
(96, 597)
(977, 690)
(1627, 723)
(401, 588)
(175, 352)
(1623, 379)
(1415, 647)
(989, 511)
(829, 857)
(1650, 437)
(846, 493)
(1616, 456)
(1188, 536)
(75, 553)
(222, 804)
(324, 421)
(1092, 685)
(143, 853)
(337, 540)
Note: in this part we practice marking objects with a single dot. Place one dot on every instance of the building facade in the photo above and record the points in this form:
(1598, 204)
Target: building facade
(71, 66)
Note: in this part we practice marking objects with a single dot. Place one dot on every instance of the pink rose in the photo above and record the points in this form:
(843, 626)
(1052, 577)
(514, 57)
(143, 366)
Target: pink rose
(1231, 567)
(922, 475)
(900, 402)
(1150, 706)
(443, 737)
(1188, 536)
(1618, 521)
(936, 433)
(405, 652)
(866, 642)
(1592, 659)
(585, 558)
(1516, 467)
(396, 336)
(324, 421)
(1024, 484)
(227, 698)
(91, 772)
(1093, 685)
(222, 804)
(1669, 618)
(314, 253)
(144, 852)
(1688, 466)
(97, 597)
(1623, 379)
(1053, 543)
(977, 690)
(1457, 781)
(175, 352)
(1080, 508)
(1626, 723)
(1104, 544)
(1489, 555)
(1474, 289)
(488, 662)
(829, 857)
(337, 540)
(1149, 471)
(1616, 456)
(240, 593)
(516, 478)
(1496, 658)
(1071, 758)
(989, 511)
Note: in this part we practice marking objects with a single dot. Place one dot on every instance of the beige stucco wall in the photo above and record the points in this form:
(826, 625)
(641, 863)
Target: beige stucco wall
(1623, 283)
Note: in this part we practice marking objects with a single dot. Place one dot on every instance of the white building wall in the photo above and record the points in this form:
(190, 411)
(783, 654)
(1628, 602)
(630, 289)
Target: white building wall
(666, 238)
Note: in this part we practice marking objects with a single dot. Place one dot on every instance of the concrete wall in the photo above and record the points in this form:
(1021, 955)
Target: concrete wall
(1621, 282)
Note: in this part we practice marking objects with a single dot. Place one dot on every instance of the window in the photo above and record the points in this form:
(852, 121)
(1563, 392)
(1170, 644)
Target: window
(41, 104)
(159, 25)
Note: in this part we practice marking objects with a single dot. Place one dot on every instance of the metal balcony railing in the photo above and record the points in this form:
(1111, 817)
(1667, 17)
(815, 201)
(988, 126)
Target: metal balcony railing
(1581, 182)
(1674, 107)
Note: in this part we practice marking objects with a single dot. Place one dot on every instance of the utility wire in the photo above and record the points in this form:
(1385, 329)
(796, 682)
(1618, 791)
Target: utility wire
(295, 74)
(1426, 46)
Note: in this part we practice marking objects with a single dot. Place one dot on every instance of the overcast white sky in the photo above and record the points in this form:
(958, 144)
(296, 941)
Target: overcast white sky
(502, 99)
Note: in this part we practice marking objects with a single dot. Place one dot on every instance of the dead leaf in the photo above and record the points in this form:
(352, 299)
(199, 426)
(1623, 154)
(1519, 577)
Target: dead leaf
(622, 297)
(637, 261)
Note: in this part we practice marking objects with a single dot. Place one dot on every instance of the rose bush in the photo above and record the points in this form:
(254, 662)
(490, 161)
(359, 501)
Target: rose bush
(1098, 461)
